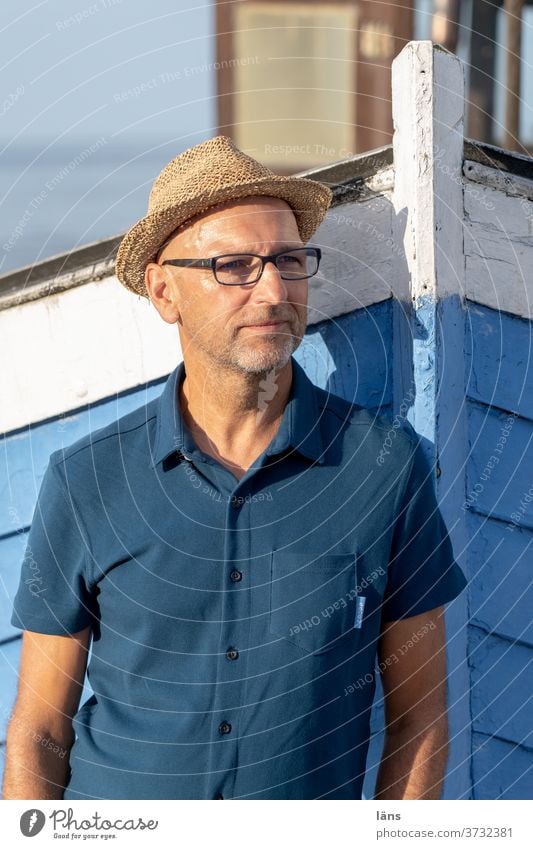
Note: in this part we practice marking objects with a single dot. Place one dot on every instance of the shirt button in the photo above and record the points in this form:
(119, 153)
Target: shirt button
(236, 503)
(218, 796)
(224, 727)
(232, 654)
(236, 576)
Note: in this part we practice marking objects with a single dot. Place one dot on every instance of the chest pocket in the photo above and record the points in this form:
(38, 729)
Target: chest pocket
(313, 600)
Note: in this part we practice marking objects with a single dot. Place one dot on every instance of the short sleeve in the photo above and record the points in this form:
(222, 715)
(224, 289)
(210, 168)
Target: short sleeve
(53, 596)
(422, 571)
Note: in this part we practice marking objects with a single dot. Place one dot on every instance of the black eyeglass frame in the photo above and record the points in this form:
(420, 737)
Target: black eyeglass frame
(210, 262)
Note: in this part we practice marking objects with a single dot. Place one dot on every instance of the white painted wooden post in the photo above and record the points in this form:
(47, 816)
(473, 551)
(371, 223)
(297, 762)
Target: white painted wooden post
(428, 112)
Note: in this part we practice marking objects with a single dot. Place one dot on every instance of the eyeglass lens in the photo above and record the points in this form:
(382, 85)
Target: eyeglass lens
(246, 268)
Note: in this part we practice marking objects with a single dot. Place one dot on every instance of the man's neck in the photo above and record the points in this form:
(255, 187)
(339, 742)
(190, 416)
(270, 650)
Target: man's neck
(233, 416)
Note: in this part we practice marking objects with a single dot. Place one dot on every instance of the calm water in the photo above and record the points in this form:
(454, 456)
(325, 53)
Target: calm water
(56, 199)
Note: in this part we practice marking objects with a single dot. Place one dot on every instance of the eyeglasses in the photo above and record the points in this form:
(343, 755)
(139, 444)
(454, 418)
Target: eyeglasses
(240, 269)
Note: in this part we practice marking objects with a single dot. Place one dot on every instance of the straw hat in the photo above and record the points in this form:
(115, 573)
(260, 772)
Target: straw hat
(199, 178)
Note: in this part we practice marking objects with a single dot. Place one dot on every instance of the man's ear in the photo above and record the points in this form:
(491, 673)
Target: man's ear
(162, 292)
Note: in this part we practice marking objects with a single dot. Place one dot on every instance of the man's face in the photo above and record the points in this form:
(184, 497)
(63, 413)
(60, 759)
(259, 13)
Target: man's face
(217, 319)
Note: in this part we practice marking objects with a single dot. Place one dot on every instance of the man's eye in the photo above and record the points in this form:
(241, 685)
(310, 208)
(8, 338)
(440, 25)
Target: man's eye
(291, 259)
(233, 264)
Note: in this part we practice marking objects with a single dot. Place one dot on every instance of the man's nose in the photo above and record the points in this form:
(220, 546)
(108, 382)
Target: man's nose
(270, 285)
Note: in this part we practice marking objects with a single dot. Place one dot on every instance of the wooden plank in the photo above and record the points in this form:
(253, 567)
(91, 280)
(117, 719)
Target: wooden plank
(498, 480)
(497, 210)
(56, 274)
(498, 267)
(501, 692)
(356, 269)
(351, 356)
(515, 184)
(499, 359)
(93, 342)
(500, 769)
(26, 452)
(498, 159)
(500, 578)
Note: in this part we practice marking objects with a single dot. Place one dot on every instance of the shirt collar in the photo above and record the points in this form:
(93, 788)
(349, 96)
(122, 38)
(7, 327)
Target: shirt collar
(299, 427)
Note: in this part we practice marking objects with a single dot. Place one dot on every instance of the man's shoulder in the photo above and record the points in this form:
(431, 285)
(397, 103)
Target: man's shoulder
(380, 431)
(113, 442)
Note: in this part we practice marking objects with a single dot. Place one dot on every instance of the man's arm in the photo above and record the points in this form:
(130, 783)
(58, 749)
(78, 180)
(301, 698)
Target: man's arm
(413, 659)
(40, 733)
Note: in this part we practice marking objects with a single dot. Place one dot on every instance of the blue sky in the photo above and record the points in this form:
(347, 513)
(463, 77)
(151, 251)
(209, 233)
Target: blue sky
(95, 98)
(73, 58)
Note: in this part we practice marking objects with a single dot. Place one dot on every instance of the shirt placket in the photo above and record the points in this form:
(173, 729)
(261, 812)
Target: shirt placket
(229, 687)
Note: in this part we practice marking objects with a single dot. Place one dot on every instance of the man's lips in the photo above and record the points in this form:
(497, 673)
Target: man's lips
(266, 323)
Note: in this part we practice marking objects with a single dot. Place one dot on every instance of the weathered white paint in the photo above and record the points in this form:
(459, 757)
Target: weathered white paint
(356, 269)
(78, 347)
(97, 339)
(498, 247)
(428, 106)
(428, 113)
(510, 184)
(504, 212)
(428, 148)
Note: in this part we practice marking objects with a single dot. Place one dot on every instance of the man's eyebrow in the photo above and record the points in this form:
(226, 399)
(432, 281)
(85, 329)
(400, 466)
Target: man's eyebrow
(284, 246)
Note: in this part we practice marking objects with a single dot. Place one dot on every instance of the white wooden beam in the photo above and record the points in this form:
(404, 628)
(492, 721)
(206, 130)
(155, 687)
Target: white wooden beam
(428, 110)
(428, 113)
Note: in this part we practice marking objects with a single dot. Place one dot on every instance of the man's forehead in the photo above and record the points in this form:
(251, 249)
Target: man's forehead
(233, 212)
(238, 209)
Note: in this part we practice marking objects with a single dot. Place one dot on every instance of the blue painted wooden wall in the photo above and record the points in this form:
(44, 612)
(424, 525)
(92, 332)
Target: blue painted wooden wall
(360, 371)
(499, 503)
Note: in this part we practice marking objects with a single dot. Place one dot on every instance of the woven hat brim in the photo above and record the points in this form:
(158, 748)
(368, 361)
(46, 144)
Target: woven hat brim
(308, 199)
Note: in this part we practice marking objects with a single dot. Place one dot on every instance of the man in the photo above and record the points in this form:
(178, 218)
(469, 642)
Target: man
(239, 549)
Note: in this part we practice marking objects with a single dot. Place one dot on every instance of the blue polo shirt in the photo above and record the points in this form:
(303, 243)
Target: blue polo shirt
(235, 623)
